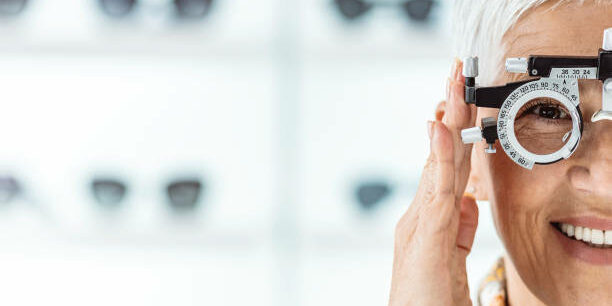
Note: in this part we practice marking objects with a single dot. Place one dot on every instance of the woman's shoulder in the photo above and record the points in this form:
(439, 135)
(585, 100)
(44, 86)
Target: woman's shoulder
(492, 289)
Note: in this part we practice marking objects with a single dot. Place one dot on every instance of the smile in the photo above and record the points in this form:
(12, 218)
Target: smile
(587, 239)
(591, 236)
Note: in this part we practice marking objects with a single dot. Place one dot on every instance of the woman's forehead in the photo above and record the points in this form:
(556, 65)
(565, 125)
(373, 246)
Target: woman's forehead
(570, 29)
(567, 29)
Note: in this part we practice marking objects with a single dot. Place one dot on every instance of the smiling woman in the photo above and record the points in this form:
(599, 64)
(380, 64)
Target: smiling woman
(555, 220)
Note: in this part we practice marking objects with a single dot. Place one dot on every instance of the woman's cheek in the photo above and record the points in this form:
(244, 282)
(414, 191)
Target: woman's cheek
(519, 199)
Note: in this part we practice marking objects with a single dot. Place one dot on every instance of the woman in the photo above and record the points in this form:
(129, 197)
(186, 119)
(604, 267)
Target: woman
(435, 235)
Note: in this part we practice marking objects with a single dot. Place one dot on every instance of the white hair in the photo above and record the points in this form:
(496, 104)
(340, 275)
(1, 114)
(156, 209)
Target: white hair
(479, 26)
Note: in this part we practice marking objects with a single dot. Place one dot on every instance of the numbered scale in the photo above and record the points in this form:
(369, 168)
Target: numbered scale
(554, 131)
(562, 91)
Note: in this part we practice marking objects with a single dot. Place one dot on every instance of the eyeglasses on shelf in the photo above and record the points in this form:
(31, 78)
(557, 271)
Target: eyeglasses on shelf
(185, 9)
(182, 194)
(12, 7)
(416, 10)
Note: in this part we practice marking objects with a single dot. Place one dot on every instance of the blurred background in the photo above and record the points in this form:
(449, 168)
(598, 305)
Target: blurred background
(224, 152)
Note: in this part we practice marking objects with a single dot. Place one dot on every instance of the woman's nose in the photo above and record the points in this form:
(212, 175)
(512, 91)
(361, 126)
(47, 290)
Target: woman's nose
(595, 173)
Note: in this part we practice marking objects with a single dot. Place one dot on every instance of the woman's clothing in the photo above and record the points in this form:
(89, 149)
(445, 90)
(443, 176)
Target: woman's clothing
(492, 290)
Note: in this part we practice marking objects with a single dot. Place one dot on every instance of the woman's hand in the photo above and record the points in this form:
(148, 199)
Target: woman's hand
(435, 235)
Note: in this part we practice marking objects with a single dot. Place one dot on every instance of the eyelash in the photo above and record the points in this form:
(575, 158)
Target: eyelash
(531, 106)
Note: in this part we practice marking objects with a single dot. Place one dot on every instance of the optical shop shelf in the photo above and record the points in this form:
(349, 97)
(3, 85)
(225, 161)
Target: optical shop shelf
(132, 118)
(236, 28)
(147, 99)
(381, 33)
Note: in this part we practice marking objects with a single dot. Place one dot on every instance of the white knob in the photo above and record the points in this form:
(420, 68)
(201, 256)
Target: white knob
(471, 135)
(470, 67)
(607, 40)
(516, 65)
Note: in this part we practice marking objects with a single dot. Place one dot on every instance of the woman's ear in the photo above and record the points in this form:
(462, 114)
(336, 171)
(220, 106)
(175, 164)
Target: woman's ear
(476, 182)
(440, 110)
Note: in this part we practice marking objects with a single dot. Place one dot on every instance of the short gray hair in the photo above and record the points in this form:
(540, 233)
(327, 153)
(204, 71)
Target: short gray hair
(480, 25)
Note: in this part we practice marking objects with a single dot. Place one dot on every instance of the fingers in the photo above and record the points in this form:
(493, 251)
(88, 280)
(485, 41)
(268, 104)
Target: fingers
(458, 113)
(434, 205)
(439, 226)
(468, 222)
(439, 112)
(447, 170)
(457, 116)
(442, 151)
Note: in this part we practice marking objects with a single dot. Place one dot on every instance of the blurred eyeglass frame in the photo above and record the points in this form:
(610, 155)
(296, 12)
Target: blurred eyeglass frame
(10, 188)
(108, 192)
(184, 9)
(10, 8)
(182, 194)
(417, 10)
(371, 193)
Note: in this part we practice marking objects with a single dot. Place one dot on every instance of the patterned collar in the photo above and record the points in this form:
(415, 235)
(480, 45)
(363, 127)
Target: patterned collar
(492, 290)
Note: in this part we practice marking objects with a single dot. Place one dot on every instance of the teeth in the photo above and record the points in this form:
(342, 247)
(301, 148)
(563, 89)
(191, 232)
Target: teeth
(597, 236)
(593, 236)
(570, 230)
(586, 234)
(578, 232)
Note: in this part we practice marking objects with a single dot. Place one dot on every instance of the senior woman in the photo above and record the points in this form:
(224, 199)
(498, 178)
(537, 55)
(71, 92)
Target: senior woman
(541, 265)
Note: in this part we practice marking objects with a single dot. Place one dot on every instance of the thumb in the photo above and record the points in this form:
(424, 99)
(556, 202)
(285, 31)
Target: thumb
(468, 222)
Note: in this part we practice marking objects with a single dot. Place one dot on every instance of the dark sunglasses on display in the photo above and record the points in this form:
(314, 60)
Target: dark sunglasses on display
(12, 7)
(188, 9)
(182, 194)
(417, 10)
(10, 188)
(370, 194)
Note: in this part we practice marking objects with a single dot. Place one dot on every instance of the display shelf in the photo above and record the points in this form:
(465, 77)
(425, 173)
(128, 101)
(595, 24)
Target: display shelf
(146, 120)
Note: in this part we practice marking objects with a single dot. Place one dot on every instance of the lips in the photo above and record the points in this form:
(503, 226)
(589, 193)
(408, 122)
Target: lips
(592, 236)
(587, 239)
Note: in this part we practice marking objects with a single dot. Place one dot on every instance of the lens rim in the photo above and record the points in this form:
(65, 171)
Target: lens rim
(20, 9)
(98, 185)
(522, 95)
(114, 14)
(370, 194)
(420, 16)
(182, 13)
(350, 14)
(173, 187)
(10, 187)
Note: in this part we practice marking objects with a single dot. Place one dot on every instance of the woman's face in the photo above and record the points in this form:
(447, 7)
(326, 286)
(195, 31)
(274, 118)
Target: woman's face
(528, 203)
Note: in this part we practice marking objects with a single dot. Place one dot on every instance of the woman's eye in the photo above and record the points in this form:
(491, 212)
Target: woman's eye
(549, 112)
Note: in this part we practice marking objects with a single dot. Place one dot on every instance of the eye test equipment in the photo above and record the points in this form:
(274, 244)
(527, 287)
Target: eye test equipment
(539, 120)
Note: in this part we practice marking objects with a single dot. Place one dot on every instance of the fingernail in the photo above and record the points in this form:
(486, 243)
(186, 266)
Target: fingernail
(457, 72)
(430, 130)
(469, 195)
